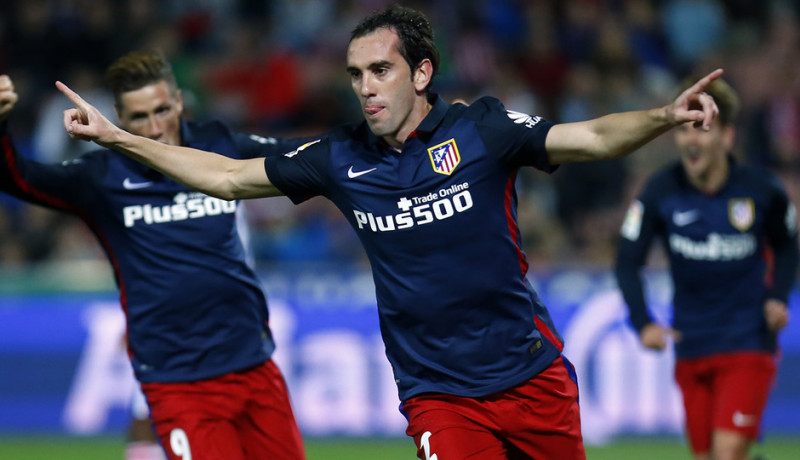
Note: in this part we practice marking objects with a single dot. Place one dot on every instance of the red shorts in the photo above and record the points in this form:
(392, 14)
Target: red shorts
(539, 418)
(237, 416)
(726, 391)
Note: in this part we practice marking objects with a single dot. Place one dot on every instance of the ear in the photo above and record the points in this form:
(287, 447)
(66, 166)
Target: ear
(728, 137)
(179, 101)
(422, 75)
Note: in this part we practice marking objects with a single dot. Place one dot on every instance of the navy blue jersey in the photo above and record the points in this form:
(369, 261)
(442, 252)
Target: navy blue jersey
(194, 308)
(439, 225)
(719, 246)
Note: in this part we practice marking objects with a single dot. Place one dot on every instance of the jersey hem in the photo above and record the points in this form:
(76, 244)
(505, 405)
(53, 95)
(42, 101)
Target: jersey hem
(540, 365)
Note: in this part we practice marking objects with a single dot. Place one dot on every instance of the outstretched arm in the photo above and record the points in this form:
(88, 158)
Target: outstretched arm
(619, 134)
(210, 173)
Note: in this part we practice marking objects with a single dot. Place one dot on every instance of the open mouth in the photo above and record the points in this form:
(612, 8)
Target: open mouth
(692, 154)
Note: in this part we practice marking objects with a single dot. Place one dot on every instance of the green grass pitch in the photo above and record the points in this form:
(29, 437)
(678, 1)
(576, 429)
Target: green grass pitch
(111, 448)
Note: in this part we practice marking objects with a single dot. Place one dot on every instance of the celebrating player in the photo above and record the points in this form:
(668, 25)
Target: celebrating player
(429, 189)
(198, 333)
(719, 222)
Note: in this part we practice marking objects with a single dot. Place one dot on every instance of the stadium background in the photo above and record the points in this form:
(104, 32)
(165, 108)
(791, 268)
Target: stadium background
(276, 68)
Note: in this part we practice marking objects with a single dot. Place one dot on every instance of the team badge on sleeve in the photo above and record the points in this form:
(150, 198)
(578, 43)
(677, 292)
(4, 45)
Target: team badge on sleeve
(445, 157)
(632, 225)
(742, 213)
(301, 148)
(523, 118)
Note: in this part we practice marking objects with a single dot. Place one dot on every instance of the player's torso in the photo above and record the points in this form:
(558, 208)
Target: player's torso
(438, 221)
(194, 307)
(433, 212)
(150, 212)
(715, 245)
(716, 232)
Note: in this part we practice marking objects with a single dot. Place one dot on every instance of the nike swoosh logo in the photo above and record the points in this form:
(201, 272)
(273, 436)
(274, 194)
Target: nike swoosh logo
(134, 185)
(682, 219)
(353, 174)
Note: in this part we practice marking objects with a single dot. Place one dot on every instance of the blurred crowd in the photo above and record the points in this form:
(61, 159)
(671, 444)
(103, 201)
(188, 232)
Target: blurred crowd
(276, 68)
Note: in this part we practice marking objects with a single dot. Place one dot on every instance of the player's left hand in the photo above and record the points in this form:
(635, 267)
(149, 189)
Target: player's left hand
(777, 314)
(684, 108)
(8, 97)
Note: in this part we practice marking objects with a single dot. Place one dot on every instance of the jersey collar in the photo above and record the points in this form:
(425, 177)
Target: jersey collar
(434, 117)
(186, 133)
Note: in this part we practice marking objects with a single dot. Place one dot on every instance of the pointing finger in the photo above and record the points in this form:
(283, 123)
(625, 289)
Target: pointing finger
(702, 83)
(71, 95)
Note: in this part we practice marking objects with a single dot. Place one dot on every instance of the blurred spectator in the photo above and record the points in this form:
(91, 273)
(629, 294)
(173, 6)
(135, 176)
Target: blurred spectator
(647, 41)
(578, 30)
(253, 84)
(693, 28)
(541, 62)
(298, 24)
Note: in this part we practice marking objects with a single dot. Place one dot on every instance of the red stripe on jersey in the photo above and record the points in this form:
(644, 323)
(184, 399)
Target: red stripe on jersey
(548, 334)
(513, 229)
(769, 258)
(57, 203)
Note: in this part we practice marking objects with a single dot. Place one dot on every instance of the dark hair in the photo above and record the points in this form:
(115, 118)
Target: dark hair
(136, 70)
(724, 95)
(413, 29)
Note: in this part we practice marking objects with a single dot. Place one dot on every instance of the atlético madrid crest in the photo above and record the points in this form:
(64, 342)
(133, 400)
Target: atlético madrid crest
(742, 213)
(444, 157)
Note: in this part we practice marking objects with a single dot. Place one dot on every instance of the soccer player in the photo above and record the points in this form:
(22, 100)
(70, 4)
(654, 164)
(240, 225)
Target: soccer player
(197, 321)
(722, 224)
(429, 189)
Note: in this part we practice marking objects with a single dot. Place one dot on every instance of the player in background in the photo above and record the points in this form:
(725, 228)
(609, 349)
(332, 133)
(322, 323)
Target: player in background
(197, 320)
(429, 189)
(142, 441)
(731, 236)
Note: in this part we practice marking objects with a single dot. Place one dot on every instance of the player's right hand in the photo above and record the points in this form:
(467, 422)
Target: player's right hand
(654, 336)
(8, 97)
(85, 122)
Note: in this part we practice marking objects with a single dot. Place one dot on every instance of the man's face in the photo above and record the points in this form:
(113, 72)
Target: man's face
(703, 151)
(153, 112)
(382, 81)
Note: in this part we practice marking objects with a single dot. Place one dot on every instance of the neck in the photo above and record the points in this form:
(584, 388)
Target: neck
(421, 109)
(711, 180)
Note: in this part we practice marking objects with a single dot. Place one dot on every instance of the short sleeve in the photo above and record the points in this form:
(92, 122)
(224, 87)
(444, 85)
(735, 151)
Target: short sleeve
(513, 137)
(254, 146)
(302, 173)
